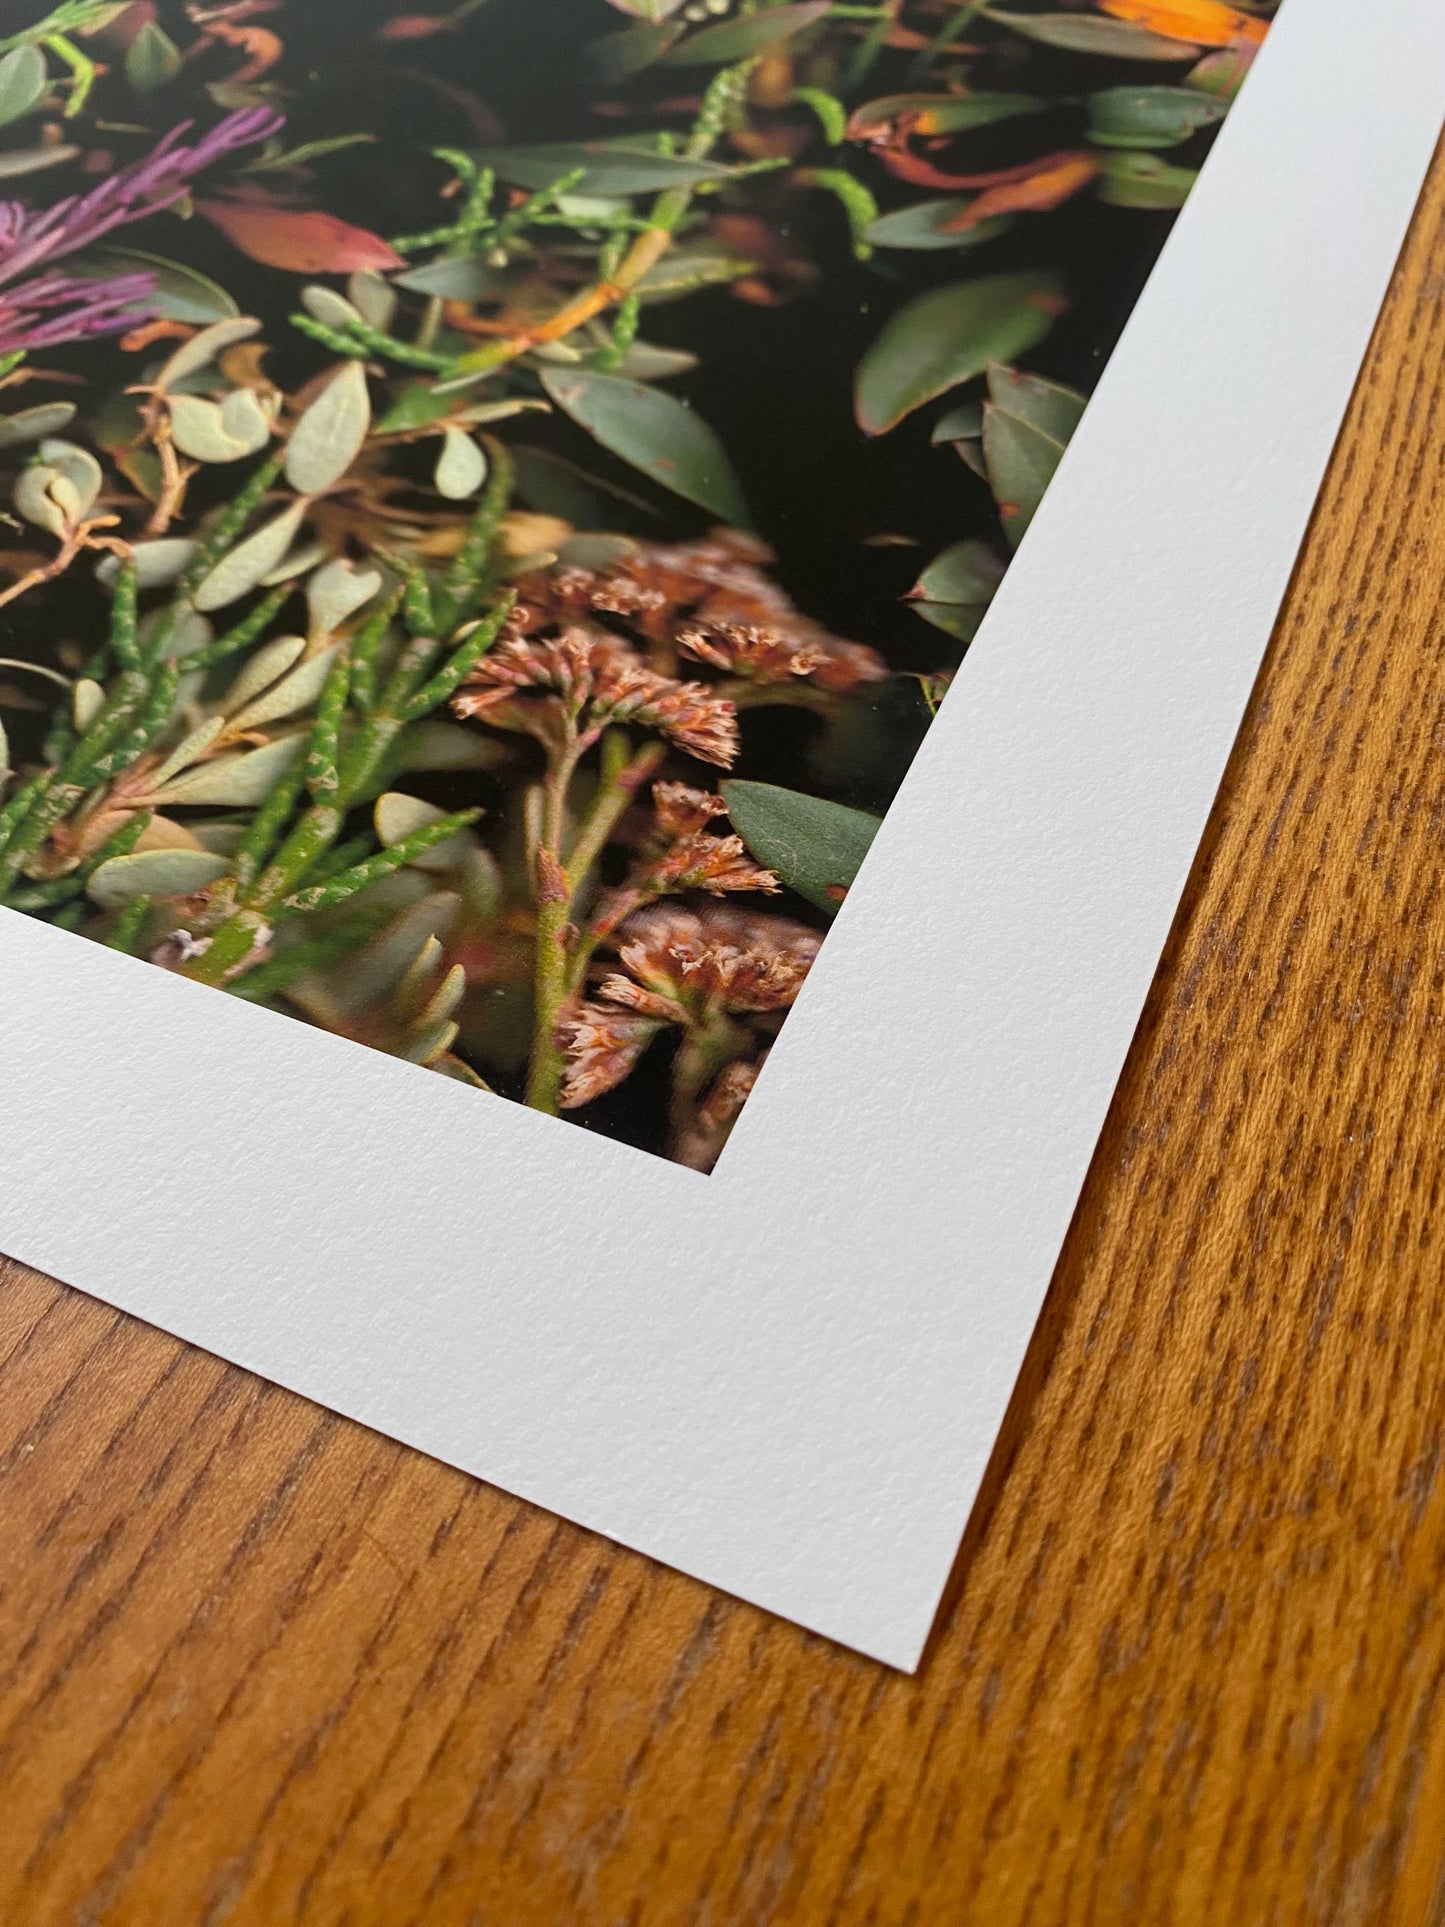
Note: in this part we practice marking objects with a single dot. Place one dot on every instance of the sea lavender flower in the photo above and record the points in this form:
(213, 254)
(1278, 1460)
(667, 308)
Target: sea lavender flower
(52, 307)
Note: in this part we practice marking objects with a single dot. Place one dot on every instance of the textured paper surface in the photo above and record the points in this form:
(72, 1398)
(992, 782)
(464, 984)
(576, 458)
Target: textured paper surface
(787, 1378)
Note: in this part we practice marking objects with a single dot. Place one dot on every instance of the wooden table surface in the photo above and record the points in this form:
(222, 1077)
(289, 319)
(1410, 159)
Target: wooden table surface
(260, 1666)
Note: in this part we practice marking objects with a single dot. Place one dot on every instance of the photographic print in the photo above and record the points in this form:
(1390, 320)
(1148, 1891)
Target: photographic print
(496, 497)
(620, 625)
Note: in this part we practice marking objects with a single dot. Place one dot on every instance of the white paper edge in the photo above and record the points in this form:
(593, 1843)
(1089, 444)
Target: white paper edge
(787, 1378)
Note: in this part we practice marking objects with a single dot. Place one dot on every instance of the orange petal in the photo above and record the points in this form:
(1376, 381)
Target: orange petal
(304, 241)
(1207, 23)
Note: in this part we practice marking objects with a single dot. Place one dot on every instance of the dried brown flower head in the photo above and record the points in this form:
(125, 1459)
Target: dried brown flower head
(603, 1045)
(590, 678)
(730, 959)
(710, 598)
(769, 653)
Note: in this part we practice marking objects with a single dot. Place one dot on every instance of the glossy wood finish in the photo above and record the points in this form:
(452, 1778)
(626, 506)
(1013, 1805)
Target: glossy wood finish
(259, 1666)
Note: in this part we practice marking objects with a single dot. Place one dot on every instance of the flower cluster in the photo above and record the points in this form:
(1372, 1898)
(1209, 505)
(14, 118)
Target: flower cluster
(711, 600)
(585, 679)
(695, 969)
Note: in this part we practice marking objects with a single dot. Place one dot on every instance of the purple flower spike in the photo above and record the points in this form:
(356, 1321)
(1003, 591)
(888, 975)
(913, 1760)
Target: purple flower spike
(31, 239)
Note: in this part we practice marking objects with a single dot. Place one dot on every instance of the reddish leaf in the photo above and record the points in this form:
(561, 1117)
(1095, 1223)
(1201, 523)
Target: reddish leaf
(1207, 23)
(922, 173)
(306, 241)
(414, 26)
(1054, 180)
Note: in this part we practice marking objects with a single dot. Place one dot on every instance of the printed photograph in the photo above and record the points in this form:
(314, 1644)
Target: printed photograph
(494, 497)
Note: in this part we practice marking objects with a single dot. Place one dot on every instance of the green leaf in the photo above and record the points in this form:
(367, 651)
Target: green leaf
(954, 591)
(1021, 461)
(23, 81)
(949, 336)
(961, 424)
(154, 873)
(964, 572)
(942, 113)
(34, 160)
(612, 167)
(1144, 181)
(1150, 116)
(692, 265)
(30, 424)
(461, 467)
(152, 60)
(417, 405)
(1082, 33)
(235, 782)
(816, 848)
(655, 432)
(457, 277)
(241, 568)
(181, 294)
(922, 225)
(739, 39)
(1048, 405)
(618, 56)
(328, 437)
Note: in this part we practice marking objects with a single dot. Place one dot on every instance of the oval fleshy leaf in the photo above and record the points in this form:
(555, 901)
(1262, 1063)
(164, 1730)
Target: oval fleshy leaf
(337, 590)
(814, 846)
(154, 873)
(292, 693)
(198, 430)
(23, 81)
(156, 563)
(30, 424)
(201, 350)
(656, 433)
(461, 467)
(267, 665)
(87, 699)
(325, 305)
(398, 816)
(234, 782)
(241, 568)
(78, 466)
(328, 437)
(948, 336)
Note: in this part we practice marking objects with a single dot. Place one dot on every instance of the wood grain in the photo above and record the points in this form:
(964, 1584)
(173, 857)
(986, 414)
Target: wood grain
(258, 1665)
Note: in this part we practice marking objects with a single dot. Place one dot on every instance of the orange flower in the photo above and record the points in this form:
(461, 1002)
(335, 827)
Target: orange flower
(1207, 23)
